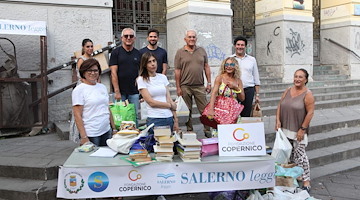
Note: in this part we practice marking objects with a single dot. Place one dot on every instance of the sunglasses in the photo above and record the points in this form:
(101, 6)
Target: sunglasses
(92, 70)
(229, 64)
(127, 36)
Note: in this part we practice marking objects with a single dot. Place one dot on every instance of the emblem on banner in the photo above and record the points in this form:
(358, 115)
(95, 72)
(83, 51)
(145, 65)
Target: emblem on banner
(73, 182)
(134, 175)
(165, 176)
(98, 181)
(245, 135)
(165, 180)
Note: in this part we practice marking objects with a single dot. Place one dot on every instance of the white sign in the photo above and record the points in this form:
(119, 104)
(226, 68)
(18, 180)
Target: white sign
(246, 139)
(164, 178)
(22, 27)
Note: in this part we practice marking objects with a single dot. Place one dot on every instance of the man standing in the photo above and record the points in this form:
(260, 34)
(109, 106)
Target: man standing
(124, 64)
(249, 74)
(160, 53)
(190, 63)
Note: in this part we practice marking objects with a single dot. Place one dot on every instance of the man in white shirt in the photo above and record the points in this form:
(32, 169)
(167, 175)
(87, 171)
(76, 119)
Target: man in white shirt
(249, 75)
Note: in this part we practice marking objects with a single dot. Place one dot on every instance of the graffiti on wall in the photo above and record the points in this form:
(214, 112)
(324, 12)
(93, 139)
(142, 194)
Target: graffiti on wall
(294, 43)
(276, 32)
(330, 11)
(215, 52)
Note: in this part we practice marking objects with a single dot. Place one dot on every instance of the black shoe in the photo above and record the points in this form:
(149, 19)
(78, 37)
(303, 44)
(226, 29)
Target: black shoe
(307, 188)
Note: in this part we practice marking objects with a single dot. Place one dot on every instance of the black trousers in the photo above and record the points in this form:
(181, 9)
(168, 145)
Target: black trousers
(249, 98)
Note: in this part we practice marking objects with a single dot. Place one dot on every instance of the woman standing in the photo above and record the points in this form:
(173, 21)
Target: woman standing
(294, 113)
(90, 102)
(153, 87)
(228, 80)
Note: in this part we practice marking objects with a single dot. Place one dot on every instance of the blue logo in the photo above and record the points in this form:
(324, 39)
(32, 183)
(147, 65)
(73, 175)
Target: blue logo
(166, 176)
(98, 181)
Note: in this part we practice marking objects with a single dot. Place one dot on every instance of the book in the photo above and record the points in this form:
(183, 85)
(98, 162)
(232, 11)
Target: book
(164, 153)
(162, 149)
(135, 163)
(189, 142)
(138, 153)
(166, 145)
(189, 148)
(190, 154)
(165, 139)
(141, 159)
(162, 131)
(190, 159)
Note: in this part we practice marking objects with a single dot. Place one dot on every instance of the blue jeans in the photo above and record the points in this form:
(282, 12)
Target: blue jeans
(101, 140)
(133, 98)
(160, 122)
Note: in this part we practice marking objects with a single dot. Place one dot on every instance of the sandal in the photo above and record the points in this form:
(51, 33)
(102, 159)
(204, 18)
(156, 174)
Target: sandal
(307, 188)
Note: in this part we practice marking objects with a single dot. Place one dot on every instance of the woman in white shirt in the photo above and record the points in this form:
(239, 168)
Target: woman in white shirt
(153, 87)
(90, 102)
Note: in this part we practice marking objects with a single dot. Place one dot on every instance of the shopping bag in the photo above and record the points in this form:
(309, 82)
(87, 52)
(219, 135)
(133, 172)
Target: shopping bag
(256, 111)
(143, 111)
(123, 112)
(209, 147)
(227, 111)
(282, 148)
(181, 108)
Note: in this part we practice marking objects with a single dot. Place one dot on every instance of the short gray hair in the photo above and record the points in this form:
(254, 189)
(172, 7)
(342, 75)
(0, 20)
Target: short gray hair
(128, 29)
(190, 30)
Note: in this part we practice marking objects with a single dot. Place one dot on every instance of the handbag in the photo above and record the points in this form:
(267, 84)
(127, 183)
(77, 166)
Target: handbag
(122, 112)
(182, 109)
(256, 111)
(227, 111)
(282, 148)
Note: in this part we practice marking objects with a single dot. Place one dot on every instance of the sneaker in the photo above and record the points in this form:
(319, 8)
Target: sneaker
(161, 197)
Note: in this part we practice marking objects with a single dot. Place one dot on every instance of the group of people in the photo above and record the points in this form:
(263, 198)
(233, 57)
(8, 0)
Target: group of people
(135, 72)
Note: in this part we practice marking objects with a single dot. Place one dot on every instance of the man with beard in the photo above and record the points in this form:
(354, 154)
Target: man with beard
(249, 75)
(160, 53)
(124, 65)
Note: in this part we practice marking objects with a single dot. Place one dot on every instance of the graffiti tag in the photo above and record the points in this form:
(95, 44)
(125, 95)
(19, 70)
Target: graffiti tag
(294, 44)
(215, 52)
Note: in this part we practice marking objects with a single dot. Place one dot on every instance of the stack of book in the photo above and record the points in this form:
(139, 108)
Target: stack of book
(189, 148)
(165, 143)
(139, 155)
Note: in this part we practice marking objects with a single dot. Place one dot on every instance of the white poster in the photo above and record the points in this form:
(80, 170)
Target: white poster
(164, 178)
(246, 139)
(22, 27)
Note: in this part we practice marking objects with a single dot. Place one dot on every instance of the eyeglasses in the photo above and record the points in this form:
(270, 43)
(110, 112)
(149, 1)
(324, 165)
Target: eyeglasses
(229, 64)
(127, 36)
(92, 70)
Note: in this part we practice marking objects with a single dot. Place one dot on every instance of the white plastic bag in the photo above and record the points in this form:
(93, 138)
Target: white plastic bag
(143, 111)
(282, 148)
(181, 108)
(123, 143)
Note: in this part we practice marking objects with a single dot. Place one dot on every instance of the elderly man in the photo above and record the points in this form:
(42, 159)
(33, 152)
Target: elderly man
(190, 63)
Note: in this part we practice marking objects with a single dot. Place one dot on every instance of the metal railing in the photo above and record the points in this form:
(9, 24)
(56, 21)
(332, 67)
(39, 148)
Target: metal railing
(344, 47)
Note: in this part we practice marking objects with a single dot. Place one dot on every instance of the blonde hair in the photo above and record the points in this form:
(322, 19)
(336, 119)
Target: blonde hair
(237, 72)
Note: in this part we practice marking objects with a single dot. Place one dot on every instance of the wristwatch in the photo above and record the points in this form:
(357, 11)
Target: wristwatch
(303, 128)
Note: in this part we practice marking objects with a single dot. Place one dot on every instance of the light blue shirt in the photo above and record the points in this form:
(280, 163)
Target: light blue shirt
(249, 70)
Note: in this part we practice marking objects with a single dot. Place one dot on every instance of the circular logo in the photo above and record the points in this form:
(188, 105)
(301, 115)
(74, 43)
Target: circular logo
(134, 175)
(98, 181)
(245, 135)
(73, 182)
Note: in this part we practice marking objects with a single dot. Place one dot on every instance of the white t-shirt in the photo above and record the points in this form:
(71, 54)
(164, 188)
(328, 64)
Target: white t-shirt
(96, 114)
(157, 90)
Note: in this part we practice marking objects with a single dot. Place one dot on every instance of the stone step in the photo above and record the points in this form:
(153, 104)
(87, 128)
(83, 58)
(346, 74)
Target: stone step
(318, 97)
(271, 110)
(322, 68)
(62, 129)
(334, 153)
(27, 189)
(335, 167)
(330, 77)
(326, 72)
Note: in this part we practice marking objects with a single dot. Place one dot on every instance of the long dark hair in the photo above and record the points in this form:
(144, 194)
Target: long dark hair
(143, 63)
(83, 44)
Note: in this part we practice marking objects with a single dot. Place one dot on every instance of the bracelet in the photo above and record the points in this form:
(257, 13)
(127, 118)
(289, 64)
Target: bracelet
(237, 91)
(84, 137)
(257, 94)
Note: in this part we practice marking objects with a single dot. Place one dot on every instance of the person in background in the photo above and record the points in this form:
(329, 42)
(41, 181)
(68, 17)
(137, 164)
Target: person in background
(160, 53)
(86, 51)
(249, 75)
(293, 116)
(154, 89)
(90, 102)
(228, 80)
(124, 65)
(191, 62)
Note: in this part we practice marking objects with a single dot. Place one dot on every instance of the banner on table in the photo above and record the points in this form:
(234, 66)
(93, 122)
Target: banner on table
(22, 27)
(164, 178)
(246, 139)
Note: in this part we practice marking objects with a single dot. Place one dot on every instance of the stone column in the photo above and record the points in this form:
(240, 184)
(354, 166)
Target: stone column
(211, 20)
(340, 36)
(284, 37)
